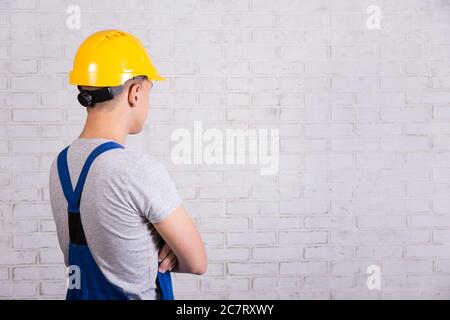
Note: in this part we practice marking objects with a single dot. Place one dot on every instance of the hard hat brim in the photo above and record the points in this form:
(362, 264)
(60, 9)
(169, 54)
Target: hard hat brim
(96, 79)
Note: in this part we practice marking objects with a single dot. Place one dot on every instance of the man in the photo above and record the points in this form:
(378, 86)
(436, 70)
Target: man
(117, 212)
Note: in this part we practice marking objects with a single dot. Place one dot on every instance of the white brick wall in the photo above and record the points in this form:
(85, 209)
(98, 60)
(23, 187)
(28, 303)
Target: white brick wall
(364, 150)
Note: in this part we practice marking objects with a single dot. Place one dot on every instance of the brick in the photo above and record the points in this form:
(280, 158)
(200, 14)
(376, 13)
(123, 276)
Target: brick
(349, 237)
(223, 224)
(427, 251)
(204, 208)
(253, 238)
(33, 146)
(350, 267)
(58, 289)
(17, 257)
(18, 289)
(34, 241)
(327, 191)
(407, 266)
(369, 222)
(20, 226)
(269, 223)
(279, 283)
(228, 254)
(19, 99)
(220, 285)
(51, 256)
(329, 223)
(300, 237)
(213, 239)
(252, 268)
(271, 253)
(323, 282)
(331, 253)
(303, 206)
(39, 273)
(31, 210)
(377, 251)
(303, 268)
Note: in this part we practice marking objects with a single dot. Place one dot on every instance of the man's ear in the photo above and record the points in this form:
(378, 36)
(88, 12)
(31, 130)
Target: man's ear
(133, 93)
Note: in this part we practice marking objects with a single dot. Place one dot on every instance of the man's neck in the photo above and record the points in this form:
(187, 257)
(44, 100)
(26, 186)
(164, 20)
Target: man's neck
(101, 128)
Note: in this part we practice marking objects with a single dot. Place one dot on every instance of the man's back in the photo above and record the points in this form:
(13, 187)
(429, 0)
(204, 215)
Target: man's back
(125, 192)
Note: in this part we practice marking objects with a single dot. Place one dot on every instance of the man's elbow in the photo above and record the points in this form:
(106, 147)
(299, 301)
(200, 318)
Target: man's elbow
(200, 269)
(202, 264)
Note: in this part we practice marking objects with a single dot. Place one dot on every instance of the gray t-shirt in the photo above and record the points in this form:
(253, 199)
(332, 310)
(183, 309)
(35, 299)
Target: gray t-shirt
(125, 192)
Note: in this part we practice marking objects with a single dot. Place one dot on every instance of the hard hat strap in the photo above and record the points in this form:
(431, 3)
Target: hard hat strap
(88, 98)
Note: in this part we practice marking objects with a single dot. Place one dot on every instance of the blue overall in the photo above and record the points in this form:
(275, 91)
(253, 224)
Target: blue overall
(93, 284)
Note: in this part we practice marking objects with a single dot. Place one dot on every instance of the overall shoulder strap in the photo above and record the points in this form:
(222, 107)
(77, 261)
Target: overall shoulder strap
(64, 176)
(73, 196)
(76, 231)
(84, 172)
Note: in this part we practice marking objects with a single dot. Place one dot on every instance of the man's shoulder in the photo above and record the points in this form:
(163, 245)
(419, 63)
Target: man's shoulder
(129, 161)
(131, 156)
(122, 162)
(117, 158)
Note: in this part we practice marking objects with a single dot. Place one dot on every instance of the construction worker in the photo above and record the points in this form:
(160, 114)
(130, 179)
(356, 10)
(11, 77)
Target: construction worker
(119, 218)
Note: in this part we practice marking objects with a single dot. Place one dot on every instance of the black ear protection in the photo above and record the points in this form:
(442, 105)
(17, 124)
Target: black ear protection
(88, 98)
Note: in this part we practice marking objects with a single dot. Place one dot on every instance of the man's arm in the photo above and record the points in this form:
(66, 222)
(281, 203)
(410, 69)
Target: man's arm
(181, 235)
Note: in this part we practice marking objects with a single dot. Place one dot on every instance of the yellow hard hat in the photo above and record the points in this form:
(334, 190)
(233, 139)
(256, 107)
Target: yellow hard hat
(109, 58)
